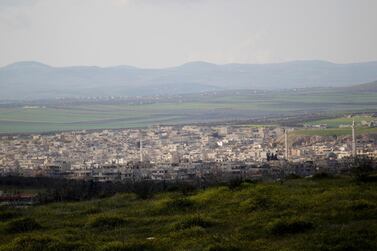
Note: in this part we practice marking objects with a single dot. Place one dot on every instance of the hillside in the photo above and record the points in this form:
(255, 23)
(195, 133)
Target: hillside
(367, 87)
(33, 80)
(299, 214)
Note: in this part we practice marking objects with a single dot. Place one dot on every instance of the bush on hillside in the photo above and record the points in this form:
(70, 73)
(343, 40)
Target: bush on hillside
(218, 247)
(6, 215)
(322, 175)
(259, 202)
(235, 183)
(293, 176)
(144, 190)
(179, 204)
(282, 227)
(106, 222)
(360, 167)
(131, 246)
(346, 238)
(37, 243)
(183, 188)
(22, 225)
(193, 221)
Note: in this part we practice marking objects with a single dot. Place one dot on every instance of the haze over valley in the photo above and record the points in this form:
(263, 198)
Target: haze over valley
(33, 80)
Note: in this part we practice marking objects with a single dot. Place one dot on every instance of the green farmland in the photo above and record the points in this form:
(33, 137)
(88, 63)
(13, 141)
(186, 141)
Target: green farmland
(336, 122)
(192, 108)
(333, 131)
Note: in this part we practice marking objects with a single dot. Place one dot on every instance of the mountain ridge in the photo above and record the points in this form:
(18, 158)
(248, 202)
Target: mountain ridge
(366, 87)
(189, 63)
(35, 80)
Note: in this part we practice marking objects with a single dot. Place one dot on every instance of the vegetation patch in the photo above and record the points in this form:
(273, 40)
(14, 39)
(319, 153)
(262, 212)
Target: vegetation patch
(235, 183)
(355, 238)
(298, 214)
(92, 210)
(179, 205)
(193, 221)
(218, 247)
(361, 167)
(22, 225)
(319, 176)
(362, 205)
(38, 243)
(282, 227)
(210, 195)
(104, 222)
(132, 246)
(258, 202)
(7, 215)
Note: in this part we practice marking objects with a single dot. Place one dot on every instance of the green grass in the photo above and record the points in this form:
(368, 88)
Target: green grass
(300, 214)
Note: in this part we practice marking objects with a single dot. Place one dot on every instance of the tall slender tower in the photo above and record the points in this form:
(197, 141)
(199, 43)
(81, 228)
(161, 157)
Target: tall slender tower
(353, 139)
(141, 148)
(286, 143)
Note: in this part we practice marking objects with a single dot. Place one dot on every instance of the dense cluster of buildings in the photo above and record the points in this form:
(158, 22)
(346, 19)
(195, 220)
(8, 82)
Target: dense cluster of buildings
(173, 152)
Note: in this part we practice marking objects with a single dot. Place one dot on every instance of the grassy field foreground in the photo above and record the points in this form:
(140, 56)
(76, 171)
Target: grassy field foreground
(299, 214)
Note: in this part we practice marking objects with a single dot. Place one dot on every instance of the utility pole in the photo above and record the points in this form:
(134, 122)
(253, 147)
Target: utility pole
(353, 139)
(286, 143)
(141, 148)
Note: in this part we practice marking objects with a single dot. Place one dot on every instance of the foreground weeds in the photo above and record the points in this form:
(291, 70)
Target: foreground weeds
(322, 213)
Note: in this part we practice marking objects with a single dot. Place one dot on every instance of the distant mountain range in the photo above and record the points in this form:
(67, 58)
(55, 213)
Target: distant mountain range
(33, 80)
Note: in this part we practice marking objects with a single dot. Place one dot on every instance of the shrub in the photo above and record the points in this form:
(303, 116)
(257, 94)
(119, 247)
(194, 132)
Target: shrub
(194, 221)
(322, 175)
(259, 202)
(143, 190)
(183, 188)
(235, 183)
(37, 243)
(22, 225)
(106, 222)
(221, 248)
(347, 238)
(362, 204)
(282, 227)
(30, 243)
(180, 204)
(361, 167)
(4, 216)
(92, 210)
(293, 176)
(131, 246)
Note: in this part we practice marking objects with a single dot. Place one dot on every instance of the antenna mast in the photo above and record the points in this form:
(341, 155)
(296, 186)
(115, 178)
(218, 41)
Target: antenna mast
(286, 143)
(141, 147)
(353, 139)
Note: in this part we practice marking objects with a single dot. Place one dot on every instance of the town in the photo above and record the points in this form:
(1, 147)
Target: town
(180, 152)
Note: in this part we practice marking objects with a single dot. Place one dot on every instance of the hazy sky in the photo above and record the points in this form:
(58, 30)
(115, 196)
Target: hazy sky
(160, 33)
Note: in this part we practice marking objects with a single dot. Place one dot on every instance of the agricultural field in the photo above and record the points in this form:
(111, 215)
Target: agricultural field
(319, 213)
(232, 106)
(333, 131)
(336, 122)
(333, 128)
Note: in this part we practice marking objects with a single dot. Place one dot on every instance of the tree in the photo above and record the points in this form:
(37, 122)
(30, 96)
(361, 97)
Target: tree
(360, 167)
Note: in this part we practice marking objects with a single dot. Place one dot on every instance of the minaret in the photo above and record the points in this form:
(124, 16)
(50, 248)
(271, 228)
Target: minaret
(141, 148)
(286, 143)
(353, 139)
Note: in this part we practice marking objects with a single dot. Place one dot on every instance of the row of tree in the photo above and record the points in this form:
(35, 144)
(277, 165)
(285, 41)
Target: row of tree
(58, 189)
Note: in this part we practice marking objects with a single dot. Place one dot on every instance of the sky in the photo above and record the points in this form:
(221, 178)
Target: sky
(163, 33)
